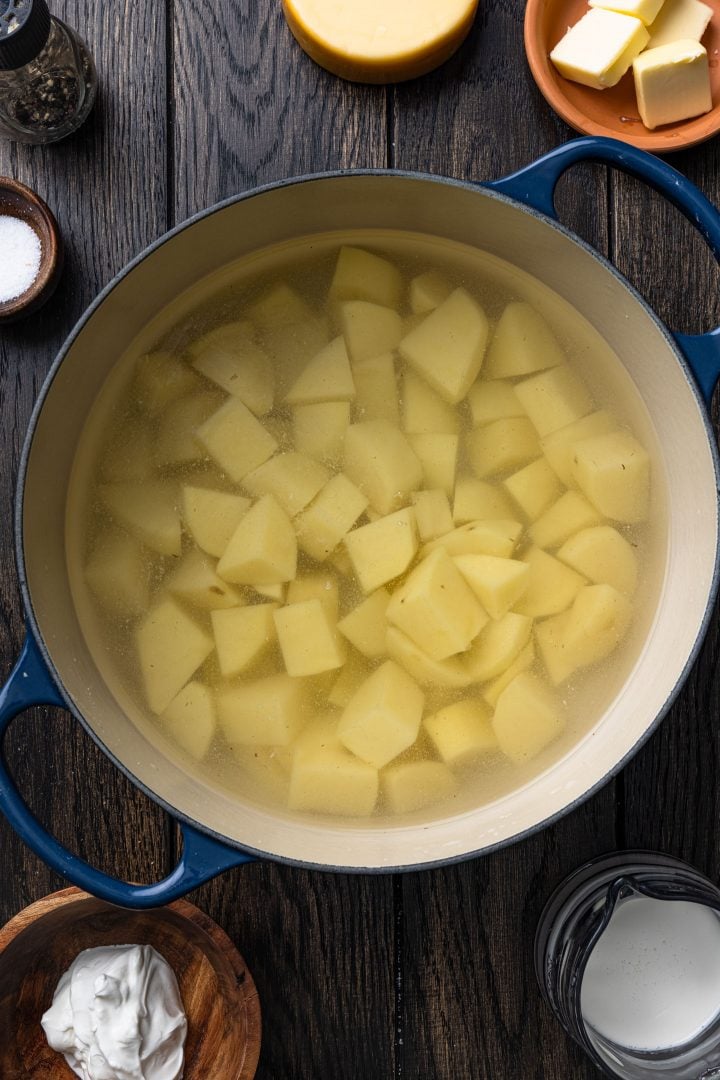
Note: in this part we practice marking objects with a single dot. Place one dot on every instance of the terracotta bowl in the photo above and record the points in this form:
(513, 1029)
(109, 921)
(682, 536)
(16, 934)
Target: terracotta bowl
(19, 201)
(612, 112)
(217, 990)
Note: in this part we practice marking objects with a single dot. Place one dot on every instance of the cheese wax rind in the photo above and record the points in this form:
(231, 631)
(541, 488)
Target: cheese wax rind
(680, 20)
(644, 10)
(672, 83)
(599, 49)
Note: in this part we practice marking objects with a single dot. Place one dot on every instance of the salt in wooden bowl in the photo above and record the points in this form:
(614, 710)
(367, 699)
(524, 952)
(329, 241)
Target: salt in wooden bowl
(19, 201)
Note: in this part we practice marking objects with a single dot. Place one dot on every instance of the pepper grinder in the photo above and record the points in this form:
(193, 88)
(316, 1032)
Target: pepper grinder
(48, 80)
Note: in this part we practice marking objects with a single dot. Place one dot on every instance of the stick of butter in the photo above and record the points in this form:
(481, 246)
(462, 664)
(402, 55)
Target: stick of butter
(644, 10)
(598, 50)
(672, 82)
(680, 20)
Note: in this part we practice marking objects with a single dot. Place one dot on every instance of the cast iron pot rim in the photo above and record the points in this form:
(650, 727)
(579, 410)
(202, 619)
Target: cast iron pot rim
(478, 188)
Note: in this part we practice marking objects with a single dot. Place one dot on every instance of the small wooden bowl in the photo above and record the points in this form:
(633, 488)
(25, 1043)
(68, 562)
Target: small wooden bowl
(19, 201)
(217, 990)
(612, 112)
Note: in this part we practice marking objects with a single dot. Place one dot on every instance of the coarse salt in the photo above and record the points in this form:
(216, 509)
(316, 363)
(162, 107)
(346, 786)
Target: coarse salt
(20, 254)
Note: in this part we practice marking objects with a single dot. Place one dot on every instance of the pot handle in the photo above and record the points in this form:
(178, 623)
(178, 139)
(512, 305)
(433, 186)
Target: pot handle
(535, 187)
(202, 857)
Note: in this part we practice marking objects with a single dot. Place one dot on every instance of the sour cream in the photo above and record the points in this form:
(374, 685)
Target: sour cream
(117, 1015)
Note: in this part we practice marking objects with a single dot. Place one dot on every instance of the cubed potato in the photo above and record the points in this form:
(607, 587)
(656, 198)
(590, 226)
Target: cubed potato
(461, 732)
(383, 717)
(236, 439)
(175, 439)
(117, 574)
(558, 448)
(242, 636)
(322, 586)
(272, 592)
(292, 346)
(211, 517)
(171, 647)
(497, 583)
(428, 291)
(497, 646)
(552, 586)
(383, 550)
(319, 430)
(267, 712)
(527, 718)
(369, 329)
(550, 638)
(263, 548)
(293, 479)
(493, 400)
(128, 453)
(280, 305)
(329, 517)
(327, 377)
(376, 396)
(432, 514)
(478, 500)
(613, 470)
(366, 625)
(327, 779)
(352, 675)
(501, 446)
(308, 638)
(412, 785)
(437, 453)
(160, 379)
(424, 411)
(585, 634)
(522, 662)
(381, 462)
(479, 538)
(448, 347)
(436, 608)
(264, 770)
(555, 398)
(361, 275)
(190, 719)
(603, 556)
(147, 510)
(195, 581)
(229, 357)
(522, 343)
(534, 488)
(568, 515)
(428, 672)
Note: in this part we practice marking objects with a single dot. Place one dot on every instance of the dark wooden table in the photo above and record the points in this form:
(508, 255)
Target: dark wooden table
(425, 975)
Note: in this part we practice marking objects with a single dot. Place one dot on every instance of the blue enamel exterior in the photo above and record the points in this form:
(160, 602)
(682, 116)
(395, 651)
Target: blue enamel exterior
(32, 682)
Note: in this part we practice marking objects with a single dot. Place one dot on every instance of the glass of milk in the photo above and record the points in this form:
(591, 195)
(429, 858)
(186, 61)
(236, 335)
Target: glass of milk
(627, 954)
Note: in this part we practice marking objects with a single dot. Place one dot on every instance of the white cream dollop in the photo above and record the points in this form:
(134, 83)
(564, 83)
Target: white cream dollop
(117, 1015)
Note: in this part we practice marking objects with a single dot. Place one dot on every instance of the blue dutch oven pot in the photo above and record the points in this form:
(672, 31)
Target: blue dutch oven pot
(514, 220)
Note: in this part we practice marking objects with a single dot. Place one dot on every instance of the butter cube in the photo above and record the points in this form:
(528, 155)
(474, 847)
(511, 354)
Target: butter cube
(411, 785)
(327, 779)
(461, 732)
(242, 636)
(381, 462)
(308, 638)
(432, 514)
(171, 647)
(598, 50)
(383, 717)
(672, 82)
(376, 396)
(382, 550)
(327, 377)
(263, 548)
(329, 517)
(190, 717)
(366, 625)
(322, 586)
(522, 343)
(211, 517)
(369, 329)
(319, 430)
(236, 439)
(436, 608)
(447, 349)
(294, 479)
(268, 712)
(680, 20)
(644, 10)
(428, 672)
(527, 718)
(478, 500)
(423, 410)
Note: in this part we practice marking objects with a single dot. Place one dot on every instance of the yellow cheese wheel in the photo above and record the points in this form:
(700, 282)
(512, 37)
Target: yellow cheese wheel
(378, 41)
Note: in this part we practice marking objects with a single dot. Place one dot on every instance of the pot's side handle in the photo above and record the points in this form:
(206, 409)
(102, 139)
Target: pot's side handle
(202, 857)
(535, 187)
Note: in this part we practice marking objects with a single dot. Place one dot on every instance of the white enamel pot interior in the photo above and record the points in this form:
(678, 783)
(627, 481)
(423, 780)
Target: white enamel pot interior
(472, 216)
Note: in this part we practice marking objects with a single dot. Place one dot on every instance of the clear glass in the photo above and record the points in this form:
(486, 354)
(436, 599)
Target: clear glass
(574, 919)
(50, 97)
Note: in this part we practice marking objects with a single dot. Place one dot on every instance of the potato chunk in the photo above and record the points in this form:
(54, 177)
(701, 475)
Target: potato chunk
(527, 718)
(497, 645)
(585, 634)
(236, 440)
(376, 396)
(411, 785)
(148, 511)
(437, 453)
(568, 515)
(263, 548)
(175, 438)
(428, 672)
(308, 638)
(319, 430)
(383, 717)
(424, 411)
(501, 446)
(327, 779)
(382, 550)
(480, 538)
(329, 517)
(497, 583)
(381, 462)
(534, 488)
(352, 675)
(171, 647)
(267, 712)
(293, 479)
(229, 357)
(603, 556)
(190, 719)
(118, 575)
(555, 398)
(461, 732)
(522, 343)
(432, 514)
(522, 662)
(369, 329)
(161, 378)
(436, 608)
(559, 446)
(448, 347)
(211, 517)
(327, 377)
(361, 275)
(365, 626)
(552, 586)
(428, 291)
(242, 636)
(280, 305)
(322, 586)
(613, 470)
(477, 500)
(493, 400)
(194, 580)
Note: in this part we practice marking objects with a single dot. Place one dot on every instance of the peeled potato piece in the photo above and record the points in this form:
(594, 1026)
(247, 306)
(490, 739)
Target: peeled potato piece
(457, 331)
(527, 718)
(603, 556)
(411, 785)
